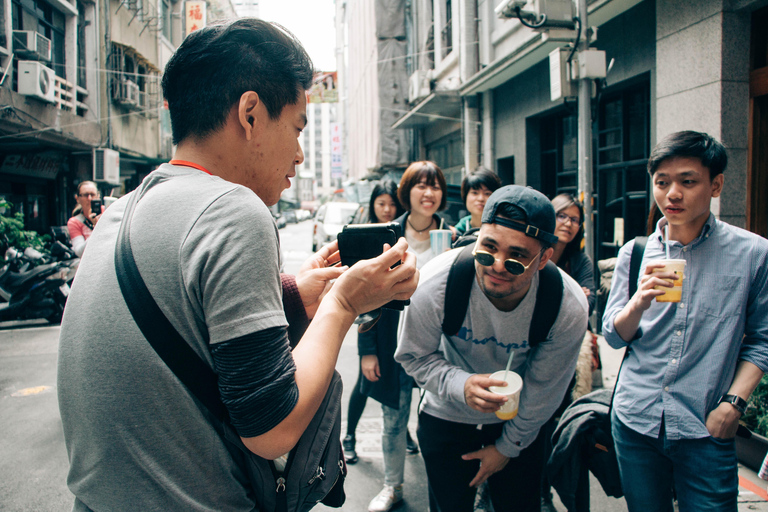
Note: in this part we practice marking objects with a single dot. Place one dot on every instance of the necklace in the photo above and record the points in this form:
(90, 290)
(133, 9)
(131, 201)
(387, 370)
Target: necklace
(420, 230)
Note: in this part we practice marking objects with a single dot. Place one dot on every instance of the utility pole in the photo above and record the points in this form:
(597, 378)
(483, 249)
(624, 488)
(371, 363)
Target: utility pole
(585, 137)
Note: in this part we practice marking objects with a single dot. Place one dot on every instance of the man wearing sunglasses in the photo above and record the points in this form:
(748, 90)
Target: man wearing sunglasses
(463, 442)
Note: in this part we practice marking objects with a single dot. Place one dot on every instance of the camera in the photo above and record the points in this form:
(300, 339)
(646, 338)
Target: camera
(365, 241)
(96, 206)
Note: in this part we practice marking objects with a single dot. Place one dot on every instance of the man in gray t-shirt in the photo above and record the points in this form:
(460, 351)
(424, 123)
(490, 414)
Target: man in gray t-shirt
(207, 248)
(463, 442)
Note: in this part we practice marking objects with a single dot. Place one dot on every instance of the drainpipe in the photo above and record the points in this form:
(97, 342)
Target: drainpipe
(468, 67)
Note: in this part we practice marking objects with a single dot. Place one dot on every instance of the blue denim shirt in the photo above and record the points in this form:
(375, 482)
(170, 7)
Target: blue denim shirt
(684, 355)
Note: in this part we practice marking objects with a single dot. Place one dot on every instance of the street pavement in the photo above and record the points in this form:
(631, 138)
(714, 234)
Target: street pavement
(33, 459)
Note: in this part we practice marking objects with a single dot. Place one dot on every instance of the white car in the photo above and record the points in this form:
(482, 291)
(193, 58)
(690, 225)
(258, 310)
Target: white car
(329, 220)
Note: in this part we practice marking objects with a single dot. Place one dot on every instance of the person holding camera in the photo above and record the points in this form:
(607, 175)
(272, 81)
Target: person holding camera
(135, 436)
(85, 215)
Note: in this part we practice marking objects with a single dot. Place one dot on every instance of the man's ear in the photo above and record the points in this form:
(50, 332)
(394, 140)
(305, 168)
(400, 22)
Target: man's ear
(545, 257)
(247, 113)
(717, 185)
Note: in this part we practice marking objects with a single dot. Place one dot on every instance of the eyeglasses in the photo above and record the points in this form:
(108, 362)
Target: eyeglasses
(89, 194)
(563, 217)
(487, 259)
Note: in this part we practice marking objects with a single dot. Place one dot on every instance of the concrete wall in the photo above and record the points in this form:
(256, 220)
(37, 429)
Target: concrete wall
(702, 83)
(361, 95)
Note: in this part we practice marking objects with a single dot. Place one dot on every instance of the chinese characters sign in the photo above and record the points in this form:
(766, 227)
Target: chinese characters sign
(195, 15)
(336, 150)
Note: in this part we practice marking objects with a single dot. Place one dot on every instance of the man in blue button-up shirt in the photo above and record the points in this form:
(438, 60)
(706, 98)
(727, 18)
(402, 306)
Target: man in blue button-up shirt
(692, 364)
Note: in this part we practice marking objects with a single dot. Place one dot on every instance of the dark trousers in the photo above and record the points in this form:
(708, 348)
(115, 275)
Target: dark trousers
(516, 488)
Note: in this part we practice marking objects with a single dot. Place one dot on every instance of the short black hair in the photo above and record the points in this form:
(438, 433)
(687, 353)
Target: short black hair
(477, 179)
(214, 66)
(384, 187)
(706, 148)
(431, 173)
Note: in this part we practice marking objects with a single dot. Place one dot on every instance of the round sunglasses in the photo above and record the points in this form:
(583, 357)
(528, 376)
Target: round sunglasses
(487, 259)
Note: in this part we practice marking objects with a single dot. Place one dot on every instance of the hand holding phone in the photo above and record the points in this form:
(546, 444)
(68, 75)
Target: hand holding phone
(96, 206)
(365, 241)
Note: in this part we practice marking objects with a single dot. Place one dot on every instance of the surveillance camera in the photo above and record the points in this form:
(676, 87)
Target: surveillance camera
(506, 9)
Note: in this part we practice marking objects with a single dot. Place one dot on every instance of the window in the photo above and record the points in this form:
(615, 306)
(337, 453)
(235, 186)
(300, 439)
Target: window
(165, 5)
(41, 17)
(81, 61)
(448, 154)
(134, 81)
(559, 154)
(620, 181)
(446, 31)
(623, 146)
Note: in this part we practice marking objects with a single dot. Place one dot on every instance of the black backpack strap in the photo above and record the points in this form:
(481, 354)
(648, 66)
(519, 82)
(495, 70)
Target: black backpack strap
(457, 291)
(634, 263)
(191, 370)
(549, 296)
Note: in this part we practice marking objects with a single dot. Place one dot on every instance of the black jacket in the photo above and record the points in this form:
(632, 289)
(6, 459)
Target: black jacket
(583, 442)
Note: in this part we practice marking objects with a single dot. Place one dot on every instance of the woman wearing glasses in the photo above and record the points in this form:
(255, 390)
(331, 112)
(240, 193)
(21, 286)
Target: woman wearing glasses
(569, 256)
(83, 220)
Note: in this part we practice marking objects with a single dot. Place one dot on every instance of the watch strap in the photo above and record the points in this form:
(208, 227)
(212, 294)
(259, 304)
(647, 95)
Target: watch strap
(735, 400)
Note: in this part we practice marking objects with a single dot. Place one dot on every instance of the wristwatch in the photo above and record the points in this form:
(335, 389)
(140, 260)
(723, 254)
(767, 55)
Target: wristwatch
(735, 400)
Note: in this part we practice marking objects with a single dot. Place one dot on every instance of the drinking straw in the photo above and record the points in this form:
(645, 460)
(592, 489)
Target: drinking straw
(442, 221)
(509, 363)
(666, 240)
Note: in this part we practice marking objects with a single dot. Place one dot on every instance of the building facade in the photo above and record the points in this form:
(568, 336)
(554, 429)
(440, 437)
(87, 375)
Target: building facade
(480, 95)
(80, 98)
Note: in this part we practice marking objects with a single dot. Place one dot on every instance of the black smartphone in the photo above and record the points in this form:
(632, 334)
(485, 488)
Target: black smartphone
(365, 241)
(96, 206)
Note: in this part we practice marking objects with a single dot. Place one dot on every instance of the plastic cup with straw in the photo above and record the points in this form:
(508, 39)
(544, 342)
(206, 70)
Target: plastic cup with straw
(675, 293)
(508, 409)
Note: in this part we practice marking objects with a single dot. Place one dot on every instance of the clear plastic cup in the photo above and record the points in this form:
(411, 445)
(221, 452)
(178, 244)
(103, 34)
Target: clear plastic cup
(512, 391)
(440, 240)
(675, 293)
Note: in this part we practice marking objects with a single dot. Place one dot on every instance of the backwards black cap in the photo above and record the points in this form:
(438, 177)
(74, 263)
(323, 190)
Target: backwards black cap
(538, 210)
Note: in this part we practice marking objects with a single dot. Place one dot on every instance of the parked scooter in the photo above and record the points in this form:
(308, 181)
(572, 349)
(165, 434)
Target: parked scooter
(33, 285)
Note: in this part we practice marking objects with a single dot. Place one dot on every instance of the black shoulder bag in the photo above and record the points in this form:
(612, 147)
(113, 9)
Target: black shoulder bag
(315, 469)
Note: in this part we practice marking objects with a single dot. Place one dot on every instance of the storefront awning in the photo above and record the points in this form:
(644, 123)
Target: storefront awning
(438, 106)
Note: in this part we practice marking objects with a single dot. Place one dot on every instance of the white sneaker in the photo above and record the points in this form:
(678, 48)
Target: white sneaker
(386, 499)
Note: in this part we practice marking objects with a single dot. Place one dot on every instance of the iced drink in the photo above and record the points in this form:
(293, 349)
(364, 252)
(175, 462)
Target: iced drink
(440, 240)
(675, 293)
(512, 391)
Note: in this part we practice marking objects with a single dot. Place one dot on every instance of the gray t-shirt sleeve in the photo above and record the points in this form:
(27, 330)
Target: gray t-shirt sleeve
(419, 348)
(232, 267)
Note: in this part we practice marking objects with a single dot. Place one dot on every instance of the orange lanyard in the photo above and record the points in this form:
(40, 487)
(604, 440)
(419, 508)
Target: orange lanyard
(190, 164)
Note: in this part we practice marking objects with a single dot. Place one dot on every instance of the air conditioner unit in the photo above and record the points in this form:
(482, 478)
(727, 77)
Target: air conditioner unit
(29, 44)
(127, 93)
(37, 80)
(106, 166)
(419, 86)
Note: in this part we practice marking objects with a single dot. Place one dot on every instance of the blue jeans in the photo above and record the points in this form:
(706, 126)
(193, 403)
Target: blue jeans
(703, 472)
(393, 436)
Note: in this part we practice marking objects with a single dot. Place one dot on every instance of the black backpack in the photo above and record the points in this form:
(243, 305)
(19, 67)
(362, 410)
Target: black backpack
(548, 297)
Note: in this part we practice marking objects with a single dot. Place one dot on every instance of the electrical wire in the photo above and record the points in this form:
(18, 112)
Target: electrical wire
(578, 37)
(538, 24)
